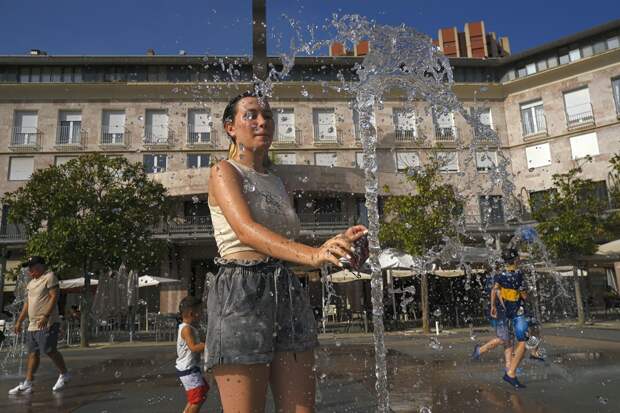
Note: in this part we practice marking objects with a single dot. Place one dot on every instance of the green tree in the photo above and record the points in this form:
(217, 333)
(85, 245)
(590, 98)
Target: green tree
(571, 220)
(90, 215)
(418, 222)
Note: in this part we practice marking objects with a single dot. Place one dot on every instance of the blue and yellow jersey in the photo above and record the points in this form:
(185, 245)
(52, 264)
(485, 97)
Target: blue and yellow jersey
(511, 285)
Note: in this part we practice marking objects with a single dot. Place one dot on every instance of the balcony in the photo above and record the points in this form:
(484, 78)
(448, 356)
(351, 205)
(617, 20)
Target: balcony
(185, 227)
(158, 137)
(71, 137)
(580, 116)
(198, 139)
(12, 234)
(404, 135)
(318, 223)
(288, 138)
(114, 139)
(25, 139)
(445, 134)
(327, 136)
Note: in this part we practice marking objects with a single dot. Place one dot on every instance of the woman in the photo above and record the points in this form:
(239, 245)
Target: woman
(261, 328)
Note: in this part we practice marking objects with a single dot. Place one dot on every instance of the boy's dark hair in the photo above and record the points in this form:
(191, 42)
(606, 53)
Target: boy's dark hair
(510, 255)
(188, 303)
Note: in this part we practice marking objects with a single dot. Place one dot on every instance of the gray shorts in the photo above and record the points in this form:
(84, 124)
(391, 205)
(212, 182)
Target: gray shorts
(255, 309)
(44, 340)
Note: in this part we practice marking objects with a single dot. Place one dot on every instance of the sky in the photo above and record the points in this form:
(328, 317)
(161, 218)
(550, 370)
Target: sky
(223, 27)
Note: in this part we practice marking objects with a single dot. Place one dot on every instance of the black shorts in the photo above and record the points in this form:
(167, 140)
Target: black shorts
(255, 309)
(44, 340)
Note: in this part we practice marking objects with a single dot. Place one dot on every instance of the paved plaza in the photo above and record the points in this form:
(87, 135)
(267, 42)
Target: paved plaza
(582, 374)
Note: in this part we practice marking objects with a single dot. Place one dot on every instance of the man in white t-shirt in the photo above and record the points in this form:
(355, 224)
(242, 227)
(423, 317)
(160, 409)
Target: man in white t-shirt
(41, 308)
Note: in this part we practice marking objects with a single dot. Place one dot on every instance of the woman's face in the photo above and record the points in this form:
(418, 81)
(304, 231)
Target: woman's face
(252, 128)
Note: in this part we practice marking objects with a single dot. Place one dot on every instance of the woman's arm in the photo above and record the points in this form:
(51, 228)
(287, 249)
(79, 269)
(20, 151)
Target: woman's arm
(225, 185)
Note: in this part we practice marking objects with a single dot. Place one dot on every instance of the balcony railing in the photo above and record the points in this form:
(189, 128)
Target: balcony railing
(109, 138)
(404, 135)
(579, 116)
(25, 138)
(289, 138)
(185, 225)
(10, 233)
(199, 138)
(158, 136)
(71, 136)
(331, 135)
(323, 221)
(445, 134)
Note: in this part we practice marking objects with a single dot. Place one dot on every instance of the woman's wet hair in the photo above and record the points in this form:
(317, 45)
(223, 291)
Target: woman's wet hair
(229, 117)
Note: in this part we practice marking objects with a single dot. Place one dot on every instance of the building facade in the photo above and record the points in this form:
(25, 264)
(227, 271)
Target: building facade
(551, 107)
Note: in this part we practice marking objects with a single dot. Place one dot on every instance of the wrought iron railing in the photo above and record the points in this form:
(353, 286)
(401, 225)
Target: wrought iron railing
(289, 138)
(155, 136)
(25, 137)
(445, 134)
(579, 115)
(12, 233)
(71, 135)
(333, 135)
(404, 135)
(113, 138)
(195, 138)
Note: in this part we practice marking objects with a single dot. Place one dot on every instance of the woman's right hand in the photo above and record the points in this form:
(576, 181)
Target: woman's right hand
(332, 250)
(338, 247)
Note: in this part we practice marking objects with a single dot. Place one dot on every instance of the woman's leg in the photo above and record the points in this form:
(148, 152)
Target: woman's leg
(293, 382)
(243, 388)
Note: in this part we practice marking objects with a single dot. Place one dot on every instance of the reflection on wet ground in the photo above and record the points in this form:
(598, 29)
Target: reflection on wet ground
(581, 374)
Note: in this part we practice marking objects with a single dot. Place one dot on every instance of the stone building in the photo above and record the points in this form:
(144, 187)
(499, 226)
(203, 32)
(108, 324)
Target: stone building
(550, 106)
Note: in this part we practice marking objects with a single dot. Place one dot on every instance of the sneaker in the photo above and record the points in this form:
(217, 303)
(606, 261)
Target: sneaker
(475, 355)
(513, 381)
(24, 387)
(63, 379)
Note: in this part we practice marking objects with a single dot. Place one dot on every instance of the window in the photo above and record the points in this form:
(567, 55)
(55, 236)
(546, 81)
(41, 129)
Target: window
(538, 199)
(574, 55)
(613, 42)
(156, 128)
(530, 69)
(538, 155)
(564, 59)
(521, 72)
(155, 163)
(552, 62)
(541, 65)
(197, 212)
(615, 86)
(325, 158)
(600, 47)
(598, 193)
(578, 107)
(20, 168)
(486, 160)
(324, 125)
(198, 160)
(25, 131)
(357, 124)
(359, 159)
(113, 127)
(491, 209)
(587, 51)
(533, 118)
(61, 160)
(70, 128)
(584, 145)
(405, 160)
(199, 126)
(448, 161)
(444, 127)
(286, 158)
(285, 125)
(404, 124)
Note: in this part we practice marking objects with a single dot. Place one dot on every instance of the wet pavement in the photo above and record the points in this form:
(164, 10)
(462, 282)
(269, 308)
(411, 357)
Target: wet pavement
(581, 374)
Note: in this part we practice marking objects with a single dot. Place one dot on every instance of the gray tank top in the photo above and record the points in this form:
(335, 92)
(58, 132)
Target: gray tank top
(269, 205)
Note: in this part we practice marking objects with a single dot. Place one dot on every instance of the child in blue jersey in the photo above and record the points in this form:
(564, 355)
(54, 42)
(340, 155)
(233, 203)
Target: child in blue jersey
(510, 288)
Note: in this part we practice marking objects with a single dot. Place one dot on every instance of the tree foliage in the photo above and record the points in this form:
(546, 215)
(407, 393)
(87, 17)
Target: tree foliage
(571, 215)
(91, 213)
(420, 221)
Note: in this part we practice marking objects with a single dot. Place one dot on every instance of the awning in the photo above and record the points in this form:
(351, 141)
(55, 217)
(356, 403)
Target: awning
(346, 276)
(151, 281)
(75, 283)
(609, 248)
